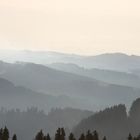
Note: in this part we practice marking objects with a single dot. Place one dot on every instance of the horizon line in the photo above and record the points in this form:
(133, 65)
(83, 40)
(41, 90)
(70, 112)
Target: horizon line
(67, 53)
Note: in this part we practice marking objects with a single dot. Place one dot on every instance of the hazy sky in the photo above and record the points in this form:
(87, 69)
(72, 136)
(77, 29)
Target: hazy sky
(72, 26)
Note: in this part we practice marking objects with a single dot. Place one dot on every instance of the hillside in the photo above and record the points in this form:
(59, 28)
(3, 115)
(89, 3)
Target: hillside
(32, 120)
(12, 96)
(91, 93)
(113, 122)
(107, 76)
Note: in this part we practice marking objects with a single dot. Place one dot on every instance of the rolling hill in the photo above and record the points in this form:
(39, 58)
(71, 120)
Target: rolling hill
(114, 122)
(93, 94)
(107, 76)
(115, 61)
(12, 97)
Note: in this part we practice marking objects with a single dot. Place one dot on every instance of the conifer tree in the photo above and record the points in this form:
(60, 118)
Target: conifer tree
(71, 137)
(47, 137)
(82, 137)
(95, 135)
(63, 134)
(89, 136)
(39, 136)
(14, 137)
(130, 137)
(58, 134)
(5, 134)
(1, 134)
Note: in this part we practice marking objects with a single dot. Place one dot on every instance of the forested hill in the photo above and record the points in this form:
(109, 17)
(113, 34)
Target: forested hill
(113, 122)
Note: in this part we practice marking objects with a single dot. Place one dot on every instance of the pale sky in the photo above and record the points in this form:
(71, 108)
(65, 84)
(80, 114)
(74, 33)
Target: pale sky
(71, 26)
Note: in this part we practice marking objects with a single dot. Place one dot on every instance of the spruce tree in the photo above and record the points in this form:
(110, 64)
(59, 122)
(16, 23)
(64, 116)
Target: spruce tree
(39, 136)
(5, 134)
(95, 135)
(89, 136)
(14, 137)
(47, 137)
(82, 137)
(130, 137)
(58, 134)
(71, 137)
(1, 134)
(63, 134)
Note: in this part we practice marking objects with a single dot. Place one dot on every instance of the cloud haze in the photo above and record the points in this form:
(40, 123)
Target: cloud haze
(76, 26)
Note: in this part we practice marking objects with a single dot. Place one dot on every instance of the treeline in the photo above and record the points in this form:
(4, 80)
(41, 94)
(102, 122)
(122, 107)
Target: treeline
(36, 119)
(114, 122)
(130, 137)
(59, 135)
(4, 134)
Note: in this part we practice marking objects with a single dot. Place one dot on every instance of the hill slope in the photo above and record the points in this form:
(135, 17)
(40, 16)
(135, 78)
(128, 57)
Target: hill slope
(113, 122)
(108, 76)
(91, 93)
(32, 120)
(12, 96)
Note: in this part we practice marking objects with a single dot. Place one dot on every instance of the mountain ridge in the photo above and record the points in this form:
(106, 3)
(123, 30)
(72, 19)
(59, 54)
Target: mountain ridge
(46, 80)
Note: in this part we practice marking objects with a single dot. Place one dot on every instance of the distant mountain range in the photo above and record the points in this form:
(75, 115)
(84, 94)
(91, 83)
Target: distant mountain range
(87, 92)
(116, 61)
(12, 97)
(107, 76)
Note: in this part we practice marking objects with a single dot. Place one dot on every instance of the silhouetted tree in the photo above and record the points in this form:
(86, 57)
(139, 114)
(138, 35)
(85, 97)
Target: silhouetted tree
(71, 137)
(5, 134)
(1, 134)
(40, 136)
(95, 135)
(89, 135)
(130, 137)
(14, 137)
(63, 134)
(47, 137)
(60, 134)
(82, 137)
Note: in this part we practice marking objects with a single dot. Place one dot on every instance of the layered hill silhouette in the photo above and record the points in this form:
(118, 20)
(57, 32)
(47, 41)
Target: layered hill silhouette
(112, 77)
(12, 96)
(113, 122)
(115, 61)
(27, 123)
(90, 92)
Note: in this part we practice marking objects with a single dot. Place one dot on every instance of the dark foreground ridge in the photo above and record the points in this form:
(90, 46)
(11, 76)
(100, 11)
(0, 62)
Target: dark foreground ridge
(60, 135)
